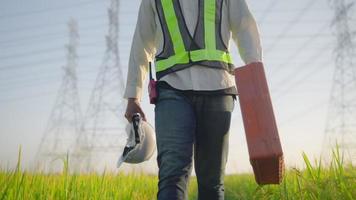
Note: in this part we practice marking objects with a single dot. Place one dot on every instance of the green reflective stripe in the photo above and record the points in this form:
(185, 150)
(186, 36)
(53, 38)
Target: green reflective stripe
(209, 24)
(206, 55)
(182, 54)
(173, 27)
(162, 65)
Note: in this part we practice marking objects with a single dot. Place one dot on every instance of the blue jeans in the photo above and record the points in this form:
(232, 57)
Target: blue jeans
(187, 123)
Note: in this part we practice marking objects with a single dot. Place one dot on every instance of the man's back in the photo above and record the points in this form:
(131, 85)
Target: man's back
(236, 23)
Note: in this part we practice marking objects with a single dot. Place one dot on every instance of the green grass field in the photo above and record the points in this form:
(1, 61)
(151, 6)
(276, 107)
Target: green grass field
(336, 181)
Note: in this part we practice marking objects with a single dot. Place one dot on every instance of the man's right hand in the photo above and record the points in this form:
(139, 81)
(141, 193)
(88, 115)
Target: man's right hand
(133, 106)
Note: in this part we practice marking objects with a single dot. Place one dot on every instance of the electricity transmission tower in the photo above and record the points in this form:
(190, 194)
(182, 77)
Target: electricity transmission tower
(65, 119)
(341, 120)
(102, 131)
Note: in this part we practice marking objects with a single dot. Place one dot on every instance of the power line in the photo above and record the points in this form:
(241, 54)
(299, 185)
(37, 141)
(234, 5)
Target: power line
(47, 25)
(267, 11)
(44, 39)
(305, 112)
(316, 70)
(45, 10)
(34, 81)
(33, 95)
(41, 51)
(303, 66)
(27, 97)
(312, 59)
(289, 26)
(282, 11)
(5, 43)
(19, 77)
(40, 63)
(28, 84)
(47, 35)
(322, 50)
(308, 36)
(309, 21)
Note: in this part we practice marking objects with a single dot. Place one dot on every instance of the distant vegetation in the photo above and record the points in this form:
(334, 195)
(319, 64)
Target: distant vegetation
(335, 182)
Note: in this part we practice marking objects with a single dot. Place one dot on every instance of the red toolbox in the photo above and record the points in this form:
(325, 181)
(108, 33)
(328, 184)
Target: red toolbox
(264, 146)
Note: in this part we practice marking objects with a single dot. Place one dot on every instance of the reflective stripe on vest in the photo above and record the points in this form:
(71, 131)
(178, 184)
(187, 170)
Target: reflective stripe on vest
(181, 50)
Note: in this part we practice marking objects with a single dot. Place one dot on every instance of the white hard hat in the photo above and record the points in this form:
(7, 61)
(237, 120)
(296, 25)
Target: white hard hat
(140, 144)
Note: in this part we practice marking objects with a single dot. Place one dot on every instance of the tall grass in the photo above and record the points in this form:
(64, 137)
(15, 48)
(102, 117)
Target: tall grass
(336, 181)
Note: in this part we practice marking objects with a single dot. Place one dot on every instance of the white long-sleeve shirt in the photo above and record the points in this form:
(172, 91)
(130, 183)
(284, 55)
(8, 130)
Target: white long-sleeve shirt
(148, 40)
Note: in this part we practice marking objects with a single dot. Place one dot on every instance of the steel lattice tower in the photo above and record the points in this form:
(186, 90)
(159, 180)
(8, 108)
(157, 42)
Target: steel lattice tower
(341, 120)
(65, 119)
(103, 129)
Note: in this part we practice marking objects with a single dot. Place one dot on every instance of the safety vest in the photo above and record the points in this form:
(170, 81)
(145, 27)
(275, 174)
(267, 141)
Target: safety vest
(181, 49)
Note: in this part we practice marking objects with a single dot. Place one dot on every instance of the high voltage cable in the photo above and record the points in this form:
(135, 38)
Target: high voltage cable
(46, 61)
(307, 65)
(287, 28)
(17, 42)
(302, 66)
(296, 53)
(40, 26)
(305, 112)
(302, 48)
(32, 96)
(41, 36)
(88, 70)
(27, 97)
(36, 63)
(316, 70)
(309, 21)
(279, 35)
(267, 11)
(52, 37)
(284, 91)
(41, 52)
(21, 14)
(309, 36)
(33, 84)
(36, 40)
(292, 10)
(43, 78)
(30, 84)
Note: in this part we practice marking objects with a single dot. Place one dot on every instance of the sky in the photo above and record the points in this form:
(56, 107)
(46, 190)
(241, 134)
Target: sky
(298, 44)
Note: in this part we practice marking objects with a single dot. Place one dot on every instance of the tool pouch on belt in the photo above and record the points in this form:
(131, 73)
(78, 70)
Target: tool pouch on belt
(264, 146)
(152, 87)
